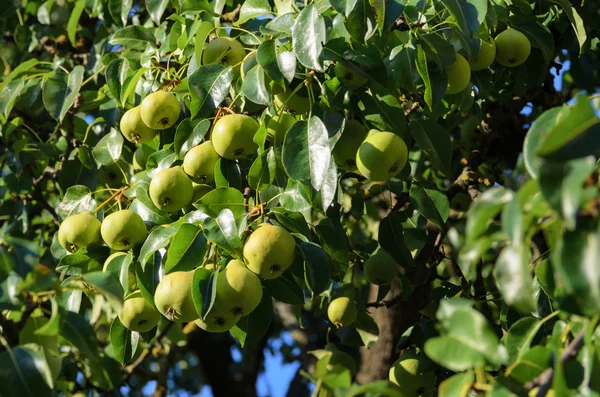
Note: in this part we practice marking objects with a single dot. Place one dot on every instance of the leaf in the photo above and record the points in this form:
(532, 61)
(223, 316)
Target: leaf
(60, 91)
(532, 364)
(218, 199)
(309, 36)
(430, 202)
(266, 56)
(24, 372)
(293, 199)
(520, 336)
(116, 74)
(384, 111)
(122, 267)
(360, 23)
(159, 238)
(538, 34)
(74, 20)
(514, 279)
(306, 153)
(435, 142)
(252, 9)
(10, 93)
(83, 261)
(134, 36)
(189, 134)
(119, 10)
(187, 249)
(391, 239)
(284, 289)
(534, 138)
(330, 185)
(108, 149)
(254, 88)
(576, 22)
(485, 209)
(156, 8)
(149, 276)
(209, 85)
(204, 290)
(108, 285)
(228, 174)
(201, 36)
(469, 14)
(77, 199)
(21, 68)
(316, 267)
(129, 86)
(263, 170)
(223, 232)
(124, 342)
(251, 328)
(367, 329)
(457, 385)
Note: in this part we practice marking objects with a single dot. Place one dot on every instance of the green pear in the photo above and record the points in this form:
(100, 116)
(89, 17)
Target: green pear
(118, 257)
(200, 191)
(160, 110)
(137, 314)
(297, 103)
(342, 311)
(278, 126)
(344, 151)
(199, 163)
(407, 373)
(381, 156)
(512, 48)
(486, 56)
(232, 136)
(349, 78)
(140, 157)
(79, 231)
(269, 251)
(173, 297)
(111, 175)
(380, 268)
(339, 357)
(121, 230)
(225, 51)
(459, 75)
(171, 189)
(134, 129)
(239, 291)
(217, 322)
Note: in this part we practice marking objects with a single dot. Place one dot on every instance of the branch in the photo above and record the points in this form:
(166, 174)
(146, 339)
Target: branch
(146, 351)
(385, 303)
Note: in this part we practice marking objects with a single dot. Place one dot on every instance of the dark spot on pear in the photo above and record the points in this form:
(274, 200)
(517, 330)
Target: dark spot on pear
(142, 322)
(275, 269)
(164, 121)
(220, 321)
(393, 169)
(237, 311)
(238, 152)
(125, 242)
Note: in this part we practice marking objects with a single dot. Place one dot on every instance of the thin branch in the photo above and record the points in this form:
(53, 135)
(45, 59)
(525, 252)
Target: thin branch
(131, 368)
(385, 303)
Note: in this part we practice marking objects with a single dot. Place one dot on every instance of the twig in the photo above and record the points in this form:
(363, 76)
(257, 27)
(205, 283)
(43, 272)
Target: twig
(131, 368)
(388, 303)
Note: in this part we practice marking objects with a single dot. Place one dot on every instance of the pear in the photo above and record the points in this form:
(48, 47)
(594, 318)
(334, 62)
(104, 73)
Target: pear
(239, 291)
(137, 314)
(232, 136)
(278, 126)
(407, 373)
(349, 78)
(342, 311)
(79, 231)
(120, 256)
(199, 191)
(459, 75)
(339, 357)
(225, 51)
(171, 189)
(381, 156)
(134, 129)
(486, 56)
(380, 268)
(297, 103)
(512, 48)
(269, 251)
(199, 163)
(160, 110)
(173, 297)
(111, 175)
(217, 322)
(344, 151)
(121, 230)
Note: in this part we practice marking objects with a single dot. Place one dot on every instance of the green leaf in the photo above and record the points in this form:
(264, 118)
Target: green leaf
(218, 199)
(430, 202)
(306, 153)
(376, 388)
(294, 197)
(367, 329)
(187, 249)
(135, 36)
(201, 36)
(538, 34)
(83, 261)
(384, 111)
(60, 91)
(228, 174)
(435, 142)
(252, 9)
(204, 290)
(119, 10)
(469, 14)
(156, 8)
(124, 342)
(520, 336)
(22, 68)
(254, 88)
(514, 279)
(116, 74)
(308, 37)
(209, 85)
(223, 232)
(10, 93)
(24, 372)
(266, 56)
(484, 210)
(263, 170)
(120, 266)
(423, 69)
(159, 238)
(532, 364)
(391, 239)
(534, 138)
(190, 133)
(108, 149)
(108, 285)
(285, 289)
(457, 385)
(129, 85)
(77, 199)
(74, 20)
(144, 207)
(316, 267)
(149, 276)
(576, 22)
(251, 328)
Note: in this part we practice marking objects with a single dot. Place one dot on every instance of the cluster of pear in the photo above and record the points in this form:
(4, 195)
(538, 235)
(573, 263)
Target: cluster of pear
(158, 111)
(510, 48)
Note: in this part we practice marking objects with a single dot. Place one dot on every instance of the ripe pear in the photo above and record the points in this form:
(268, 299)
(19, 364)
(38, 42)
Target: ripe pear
(380, 268)
(131, 278)
(278, 126)
(140, 157)
(121, 230)
(199, 163)
(344, 151)
(160, 110)
(225, 51)
(381, 156)
(239, 291)
(269, 251)
(173, 297)
(459, 75)
(407, 373)
(217, 322)
(339, 357)
(171, 189)
(79, 231)
(134, 129)
(200, 191)
(349, 78)
(342, 311)
(486, 56)
(232, 136)
(137, 314)
(512, 48)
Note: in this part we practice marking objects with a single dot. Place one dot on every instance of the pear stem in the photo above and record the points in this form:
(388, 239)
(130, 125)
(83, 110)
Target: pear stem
(115, 194)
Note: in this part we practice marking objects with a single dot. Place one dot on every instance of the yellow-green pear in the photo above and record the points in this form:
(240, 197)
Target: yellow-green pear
(512, 48)
(349, 78)
(160, 110)
(269, 251)
(278, 126)
(217, 322)
(459, 75)
(342, 311)
(407, 373)
(112, 175)
(381, 156)
(225, 51)
(121, 230)
(134, 129)
(239, 291)
(297, 103)
(199, 191)
(380, 268)
(137, 314)
(171, 189)
(339, 357)
(232, 136)
(486, 56)
(173, 297)
(199, 163)
(344, 151)
(79, 231)
(131, 278)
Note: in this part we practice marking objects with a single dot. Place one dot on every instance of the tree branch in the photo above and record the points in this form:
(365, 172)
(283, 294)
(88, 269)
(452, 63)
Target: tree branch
(131, 368)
